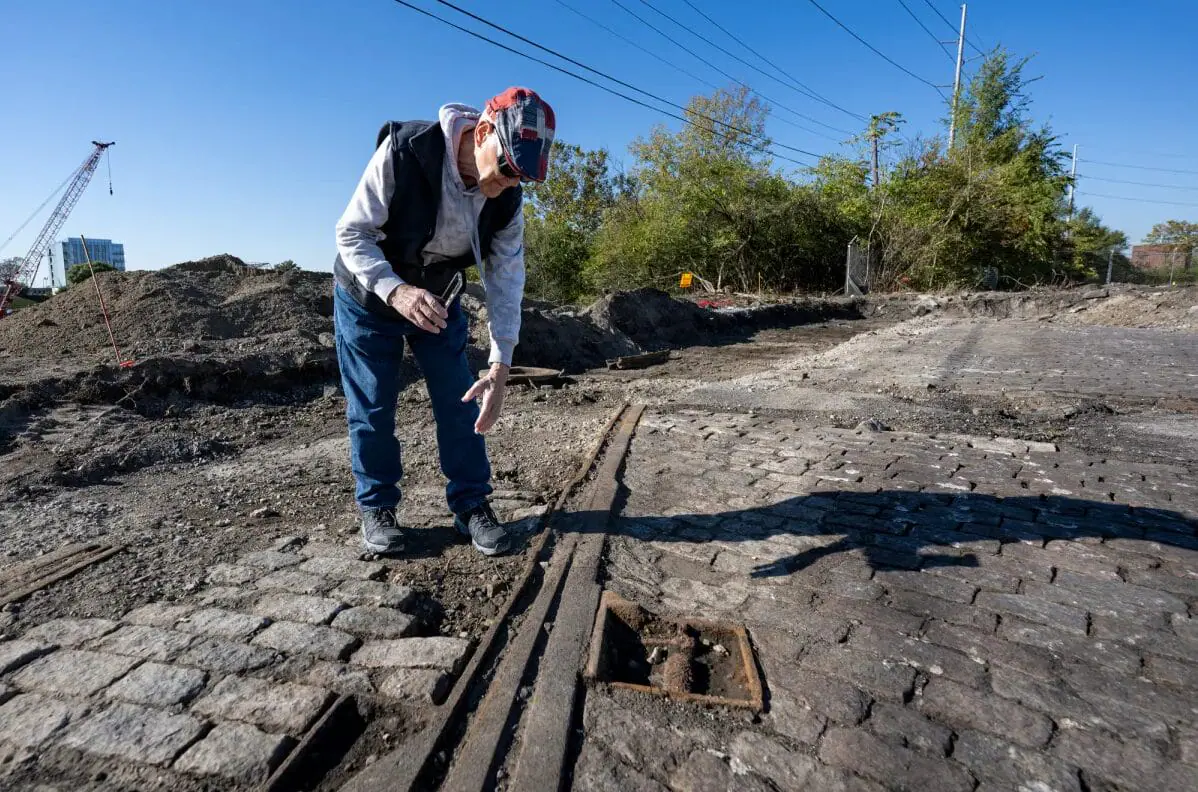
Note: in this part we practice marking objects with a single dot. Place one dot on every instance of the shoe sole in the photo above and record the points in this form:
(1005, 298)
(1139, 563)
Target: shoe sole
(382, 549)
(487, 551)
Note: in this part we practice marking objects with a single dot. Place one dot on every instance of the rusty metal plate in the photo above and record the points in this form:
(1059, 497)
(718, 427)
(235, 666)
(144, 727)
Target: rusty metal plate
(696, 660)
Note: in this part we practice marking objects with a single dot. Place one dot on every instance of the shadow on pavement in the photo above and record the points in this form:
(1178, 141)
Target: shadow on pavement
(912, 530)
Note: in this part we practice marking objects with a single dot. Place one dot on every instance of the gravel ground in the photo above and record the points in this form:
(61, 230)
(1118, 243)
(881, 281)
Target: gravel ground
(226, 438)
(184, 477)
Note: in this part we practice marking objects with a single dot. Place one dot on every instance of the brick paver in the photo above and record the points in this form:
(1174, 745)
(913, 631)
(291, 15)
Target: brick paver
(222, 623)
(287, 708)
(73, 672)
(226, 657)
(298, 608)
(375, 622)
(70, 632)
(443, 654)
(294, 638)
(158, 685)
(235, 751)
(28, 720)
(135, 734)
(373, 592)
(147, 643)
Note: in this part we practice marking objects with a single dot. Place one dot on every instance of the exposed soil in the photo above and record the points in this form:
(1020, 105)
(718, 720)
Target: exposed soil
(228, 432)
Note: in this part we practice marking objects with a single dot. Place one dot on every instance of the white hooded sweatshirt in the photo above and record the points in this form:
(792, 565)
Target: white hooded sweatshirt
(359, 232)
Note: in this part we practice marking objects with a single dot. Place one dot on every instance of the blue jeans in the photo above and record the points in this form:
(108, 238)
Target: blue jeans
(369, 352)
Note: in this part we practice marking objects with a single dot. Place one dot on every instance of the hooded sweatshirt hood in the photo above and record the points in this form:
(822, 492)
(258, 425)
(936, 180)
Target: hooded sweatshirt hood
(455, 119)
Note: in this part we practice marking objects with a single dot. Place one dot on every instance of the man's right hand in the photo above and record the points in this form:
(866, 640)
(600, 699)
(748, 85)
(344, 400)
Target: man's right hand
(419, 307)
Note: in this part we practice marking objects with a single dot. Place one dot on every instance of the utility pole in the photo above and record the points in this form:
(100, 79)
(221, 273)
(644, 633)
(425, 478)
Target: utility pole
(952, 124)
(874, 138)
(1072, 180)
(1110, 263)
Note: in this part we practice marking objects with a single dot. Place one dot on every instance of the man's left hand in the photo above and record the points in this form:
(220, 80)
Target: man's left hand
(491, 389)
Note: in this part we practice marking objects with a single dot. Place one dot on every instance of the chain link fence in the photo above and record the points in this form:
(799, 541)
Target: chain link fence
(856, 269)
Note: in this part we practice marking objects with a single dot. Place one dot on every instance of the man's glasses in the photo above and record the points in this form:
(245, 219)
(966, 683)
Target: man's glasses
(506, 168)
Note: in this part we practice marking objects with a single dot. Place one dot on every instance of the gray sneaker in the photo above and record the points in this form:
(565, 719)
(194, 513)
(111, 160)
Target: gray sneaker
(488, 535)
(381, 532)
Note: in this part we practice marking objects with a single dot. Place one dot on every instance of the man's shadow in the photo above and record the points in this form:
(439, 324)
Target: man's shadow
(897, 529)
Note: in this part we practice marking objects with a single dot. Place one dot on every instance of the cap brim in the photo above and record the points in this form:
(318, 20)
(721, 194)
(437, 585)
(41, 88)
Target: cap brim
(524, 154)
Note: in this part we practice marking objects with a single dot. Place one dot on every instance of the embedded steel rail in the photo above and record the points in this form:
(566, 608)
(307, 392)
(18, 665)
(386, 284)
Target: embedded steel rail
(414, 765)
(20, 580)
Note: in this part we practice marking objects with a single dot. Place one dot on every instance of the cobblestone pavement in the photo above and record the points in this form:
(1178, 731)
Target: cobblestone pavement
(214, 691)
(1010, 356)
(929, 612)
(977, 355)
(940, 611)
(1148, 377)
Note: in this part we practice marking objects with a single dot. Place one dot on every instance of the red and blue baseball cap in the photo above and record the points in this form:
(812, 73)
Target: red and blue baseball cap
(525, 124)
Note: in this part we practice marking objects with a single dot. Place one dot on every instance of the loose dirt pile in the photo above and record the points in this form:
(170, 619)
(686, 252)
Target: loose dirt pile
(211, 320)
(216, 329)
(217, 299)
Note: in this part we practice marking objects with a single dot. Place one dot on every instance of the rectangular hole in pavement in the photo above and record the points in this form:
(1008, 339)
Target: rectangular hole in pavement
(696, 660)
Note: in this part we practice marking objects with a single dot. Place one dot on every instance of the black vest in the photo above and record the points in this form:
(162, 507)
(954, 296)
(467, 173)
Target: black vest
(418, 157)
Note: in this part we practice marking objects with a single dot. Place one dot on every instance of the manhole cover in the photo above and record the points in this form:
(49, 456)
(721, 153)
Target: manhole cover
(698, 660)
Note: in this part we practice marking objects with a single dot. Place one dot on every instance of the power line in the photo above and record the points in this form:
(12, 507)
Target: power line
(953, 27)
(600, 86)
(919, 22)
(1160, 155)
(680, 69)
(616, 80)
(794, 84)
(38, 210)
(624, 38)
(682, 46)
(877, 51)
(1141, 167)
(1138, 184)
(1138, 200)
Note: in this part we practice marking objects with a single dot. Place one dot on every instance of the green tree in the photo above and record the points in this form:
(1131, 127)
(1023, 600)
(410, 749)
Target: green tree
(9, 268)
(942, 218)
(78, 273)
(709, 201)
(562, 218)
(285, 266)
(1090, 243)
(1181, 233)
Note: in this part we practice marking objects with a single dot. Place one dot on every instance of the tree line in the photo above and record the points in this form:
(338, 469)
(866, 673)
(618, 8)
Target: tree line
(994, 209)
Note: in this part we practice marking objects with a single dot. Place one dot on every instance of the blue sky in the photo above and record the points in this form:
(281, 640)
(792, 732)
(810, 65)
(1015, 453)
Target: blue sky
(242, 126)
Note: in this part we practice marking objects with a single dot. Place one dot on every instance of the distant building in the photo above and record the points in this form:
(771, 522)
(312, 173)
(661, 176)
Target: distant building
(100, 249)
(1157, 257)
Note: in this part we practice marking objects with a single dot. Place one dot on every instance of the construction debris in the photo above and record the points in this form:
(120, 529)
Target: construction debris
(639, 361)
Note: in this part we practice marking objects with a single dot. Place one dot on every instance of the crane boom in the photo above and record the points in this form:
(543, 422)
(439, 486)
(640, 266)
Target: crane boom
(28, 267)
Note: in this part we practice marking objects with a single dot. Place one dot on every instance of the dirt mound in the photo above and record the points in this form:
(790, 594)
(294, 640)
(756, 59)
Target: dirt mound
(221, 262)
(216, 330)
(651, 318)
(215, 299)
(566, 340)
(551, 337)
(654, 320)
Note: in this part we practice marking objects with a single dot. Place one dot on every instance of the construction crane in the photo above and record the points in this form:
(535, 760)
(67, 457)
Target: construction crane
(27, 269)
